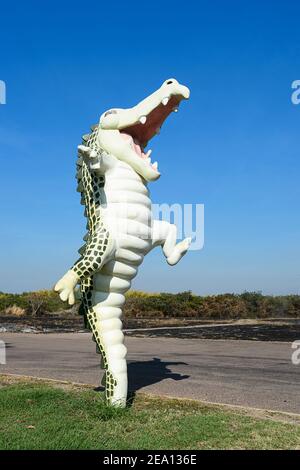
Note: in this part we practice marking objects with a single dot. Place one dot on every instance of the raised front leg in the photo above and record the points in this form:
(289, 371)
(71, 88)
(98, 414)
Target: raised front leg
(165, 235)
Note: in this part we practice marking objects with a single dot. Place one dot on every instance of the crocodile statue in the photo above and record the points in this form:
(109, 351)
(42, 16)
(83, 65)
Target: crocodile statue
(113, 171)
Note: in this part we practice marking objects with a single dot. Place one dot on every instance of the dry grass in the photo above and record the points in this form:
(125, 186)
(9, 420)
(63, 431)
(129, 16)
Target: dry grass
(15, 311)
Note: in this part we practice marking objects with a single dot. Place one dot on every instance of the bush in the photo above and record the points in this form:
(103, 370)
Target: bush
(33, 303)
(165, 305)
(223, 306)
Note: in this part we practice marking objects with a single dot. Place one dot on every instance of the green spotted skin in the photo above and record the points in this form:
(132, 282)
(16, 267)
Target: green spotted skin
(92, 253)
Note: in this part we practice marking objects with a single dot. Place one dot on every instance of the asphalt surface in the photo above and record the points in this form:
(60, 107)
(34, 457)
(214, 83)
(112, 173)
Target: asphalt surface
(248, 373)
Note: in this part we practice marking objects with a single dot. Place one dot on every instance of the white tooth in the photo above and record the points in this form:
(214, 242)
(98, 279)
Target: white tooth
(148, 153)
(175, 109)
(149, 161)
(165, 101)
(155, 165)
(143, 119)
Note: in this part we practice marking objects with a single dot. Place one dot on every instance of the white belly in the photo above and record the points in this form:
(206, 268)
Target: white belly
(127, 210)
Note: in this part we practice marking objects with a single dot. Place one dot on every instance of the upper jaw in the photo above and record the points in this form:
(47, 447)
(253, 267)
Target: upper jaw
(160, 104)
(145, 119)
(139, 124)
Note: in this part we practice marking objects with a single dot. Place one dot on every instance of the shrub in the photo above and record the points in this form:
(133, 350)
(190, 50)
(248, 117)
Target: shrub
(165, 305)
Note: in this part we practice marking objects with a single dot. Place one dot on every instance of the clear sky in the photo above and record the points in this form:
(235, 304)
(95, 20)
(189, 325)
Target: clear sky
(233, 147)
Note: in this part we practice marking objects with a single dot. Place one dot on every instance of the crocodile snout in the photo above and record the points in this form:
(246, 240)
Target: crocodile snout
(173, 87)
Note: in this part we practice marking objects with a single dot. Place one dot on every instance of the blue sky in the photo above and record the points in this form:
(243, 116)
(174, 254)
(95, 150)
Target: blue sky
(233, 147)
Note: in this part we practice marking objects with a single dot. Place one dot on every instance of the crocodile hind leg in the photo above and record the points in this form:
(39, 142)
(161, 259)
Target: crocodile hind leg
(165, 234)
(104, 321)
(108, 300)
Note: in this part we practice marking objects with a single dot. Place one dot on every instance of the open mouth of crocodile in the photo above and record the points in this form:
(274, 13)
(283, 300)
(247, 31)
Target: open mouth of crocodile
(138, 135)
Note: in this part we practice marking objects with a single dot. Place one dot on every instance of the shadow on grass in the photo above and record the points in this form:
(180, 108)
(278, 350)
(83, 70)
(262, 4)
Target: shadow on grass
(143, 373)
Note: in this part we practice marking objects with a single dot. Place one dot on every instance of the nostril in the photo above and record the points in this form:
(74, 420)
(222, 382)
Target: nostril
(169, 82)
(111, 111)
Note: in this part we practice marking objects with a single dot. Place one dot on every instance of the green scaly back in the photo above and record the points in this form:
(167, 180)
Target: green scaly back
(96, 241)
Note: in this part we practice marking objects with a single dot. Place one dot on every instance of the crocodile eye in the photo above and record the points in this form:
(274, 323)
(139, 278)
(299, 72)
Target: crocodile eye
(111, 111)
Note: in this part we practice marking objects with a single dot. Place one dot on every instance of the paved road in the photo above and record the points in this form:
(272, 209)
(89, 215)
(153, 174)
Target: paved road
(249, 373)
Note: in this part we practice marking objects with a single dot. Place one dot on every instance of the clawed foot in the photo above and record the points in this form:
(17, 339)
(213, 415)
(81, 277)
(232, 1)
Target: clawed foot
(65, 286)
(179, 251)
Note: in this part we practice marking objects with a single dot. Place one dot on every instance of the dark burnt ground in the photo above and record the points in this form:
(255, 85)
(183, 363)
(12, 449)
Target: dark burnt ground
(43, 323)
(268, 330)
(253, 332)
(62, 323)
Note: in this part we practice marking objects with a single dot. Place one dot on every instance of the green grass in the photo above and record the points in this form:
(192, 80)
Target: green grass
(36, 415)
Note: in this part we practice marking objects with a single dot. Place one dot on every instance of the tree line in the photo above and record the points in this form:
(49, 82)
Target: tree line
(164, 305)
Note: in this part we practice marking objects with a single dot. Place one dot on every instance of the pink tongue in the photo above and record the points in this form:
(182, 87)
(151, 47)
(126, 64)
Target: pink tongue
(137, 149)
(125, 136)
(136, 146)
